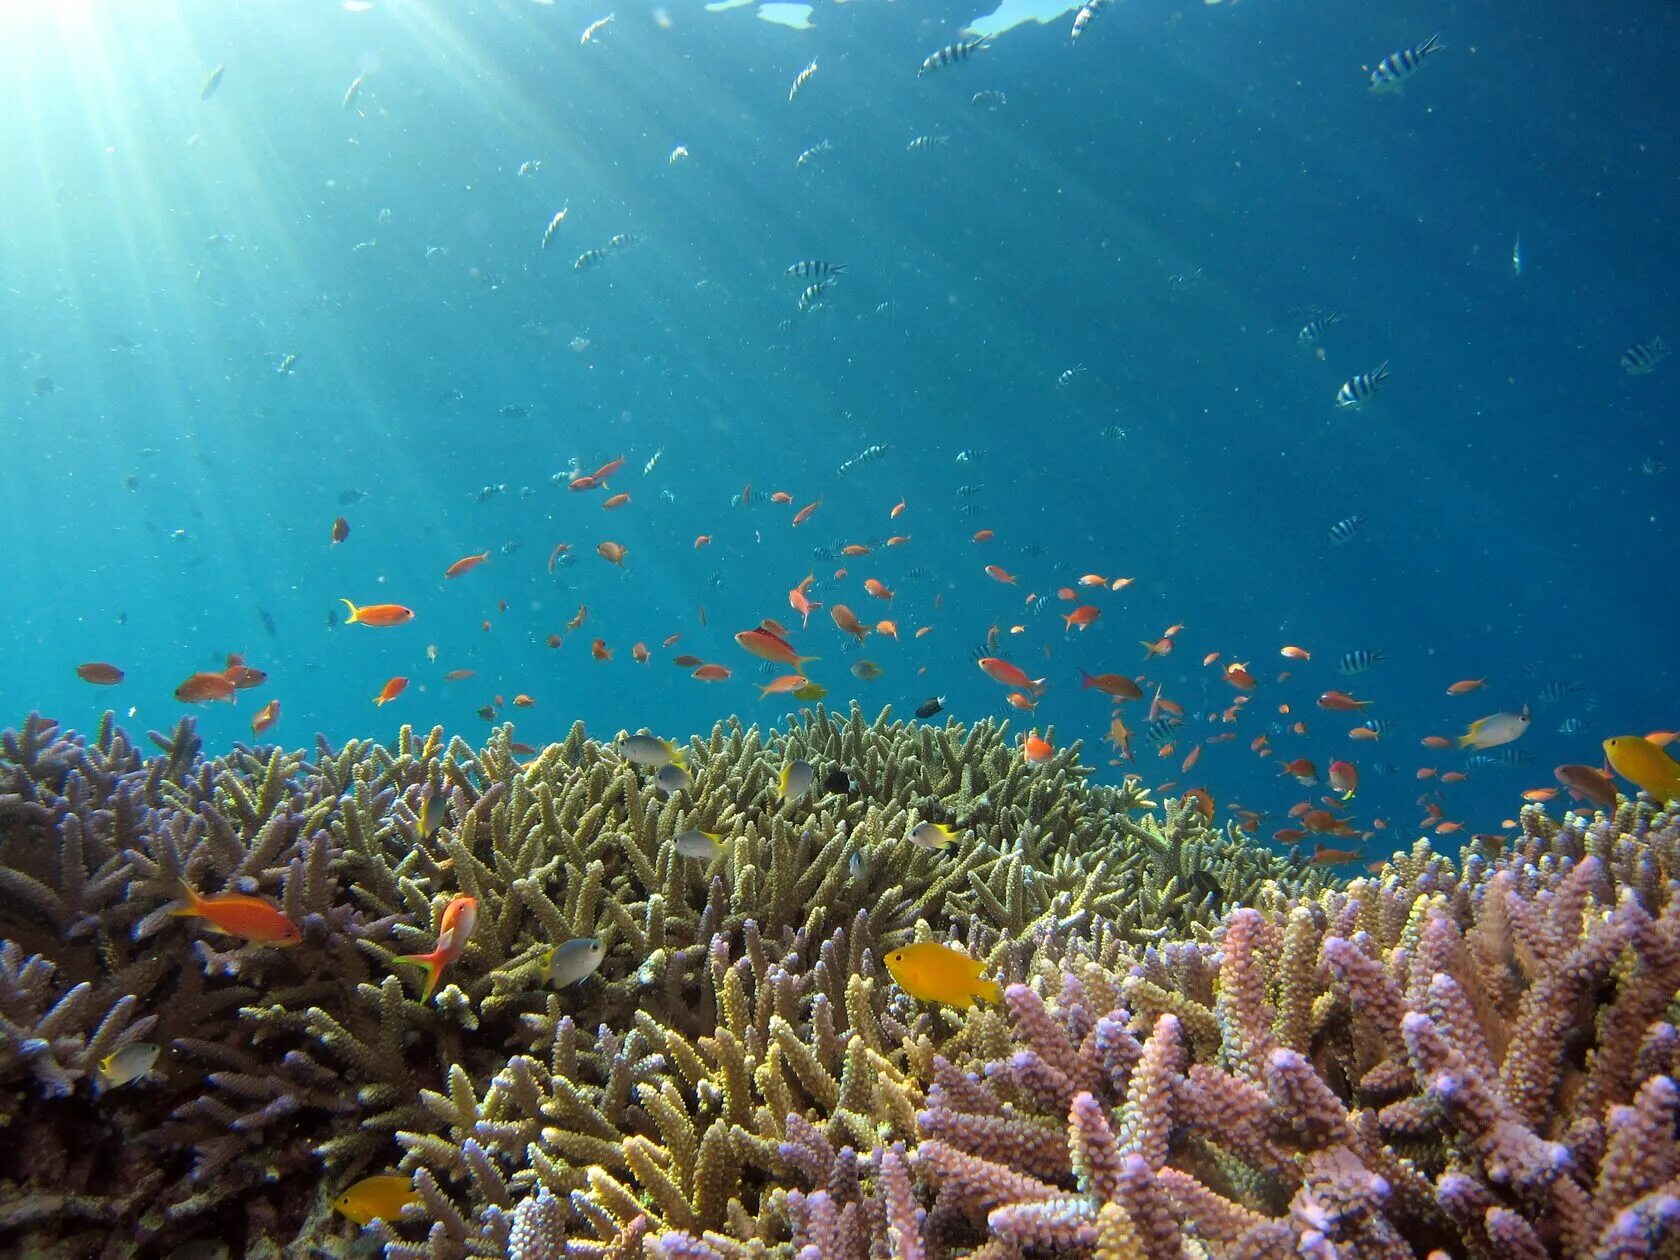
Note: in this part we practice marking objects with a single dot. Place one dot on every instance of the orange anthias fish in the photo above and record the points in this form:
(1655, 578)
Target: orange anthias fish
(804, 513)
(204, 688)
(252, 918)
(1296, 653)
(1036, 751)
(711, 673)
(612, 552)
(787, 682)
(99, 673)
(600, 651)
(878, 589)
(799, 603)
(1117, 685)
(1082, 616)
(1589, 783)
(1466, 686)
(767, 645)
(608, 469)
(1001, 671)
(455, 928)
(999, 574)
(391, 690)
(242, 675)
(1160, 647)
(847, 620)
(377, 614)
(1239, 677)
(1340, 701)
(639, 653)
(466, 564)
(266, 717)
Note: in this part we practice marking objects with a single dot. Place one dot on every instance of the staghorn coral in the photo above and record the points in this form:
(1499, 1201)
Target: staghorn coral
(1479, 1060)
(1471, 1055)
(734, 995)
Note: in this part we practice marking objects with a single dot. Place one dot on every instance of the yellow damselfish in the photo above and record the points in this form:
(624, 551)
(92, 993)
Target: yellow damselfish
(383, 1196)
(1642, 762)
(937, 973)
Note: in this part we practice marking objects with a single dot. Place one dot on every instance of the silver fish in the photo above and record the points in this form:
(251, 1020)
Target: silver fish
(566, 964)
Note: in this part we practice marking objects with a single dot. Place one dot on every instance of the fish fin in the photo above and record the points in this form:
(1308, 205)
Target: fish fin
(194, 906)
(351, 619)
(988, 991)
(433, 968)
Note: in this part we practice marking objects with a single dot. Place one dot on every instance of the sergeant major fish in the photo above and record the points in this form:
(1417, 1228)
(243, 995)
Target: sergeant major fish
(1393, 70)
(1358, 390)
(1643, 358)
(951, 54)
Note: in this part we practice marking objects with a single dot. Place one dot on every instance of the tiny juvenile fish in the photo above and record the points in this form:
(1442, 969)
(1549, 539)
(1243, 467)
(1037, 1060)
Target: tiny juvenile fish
(561, 965)
(931, 972)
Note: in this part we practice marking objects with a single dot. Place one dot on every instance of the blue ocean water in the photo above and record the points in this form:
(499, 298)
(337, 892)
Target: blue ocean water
(1162, 205)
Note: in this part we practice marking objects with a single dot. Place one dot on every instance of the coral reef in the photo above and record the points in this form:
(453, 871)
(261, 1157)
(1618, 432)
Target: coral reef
(1203, 1050)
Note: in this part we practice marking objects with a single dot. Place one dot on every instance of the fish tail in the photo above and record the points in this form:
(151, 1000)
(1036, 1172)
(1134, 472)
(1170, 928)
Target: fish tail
(1085, 680)
(432, 964)
(799, 661)
(194, 906)
(988, 991)
(355, 612)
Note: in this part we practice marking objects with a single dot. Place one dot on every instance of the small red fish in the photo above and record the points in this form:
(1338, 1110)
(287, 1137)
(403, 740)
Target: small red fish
(205, 688)
(99, 673)
(711, 673)
(391, 690)
(253, 918)
(266, 717)
(377, 614)
(466, 564)
(340, 531)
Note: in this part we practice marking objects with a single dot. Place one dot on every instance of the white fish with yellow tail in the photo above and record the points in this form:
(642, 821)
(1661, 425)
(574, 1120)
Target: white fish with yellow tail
(577, 960)
(1495, 729)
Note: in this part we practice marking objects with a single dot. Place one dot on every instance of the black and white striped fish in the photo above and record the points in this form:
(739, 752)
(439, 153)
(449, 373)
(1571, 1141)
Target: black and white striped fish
(1312, 332)
(1552, 692)
(1501, 757)
(1067, 376)
(926, 142)
(868, 455)
(801, 79)
(951, 54)
(1346, 528)
(989, 98)
(1113, 433)
(1393, 70)
(590, 258)
(969, 489)
(1087, 12)
(1358, 661)
(812, 297)
(1382, 726)
(1571, 726)
(1644, 357)
(1358, 390)
(816, 269)
(972, 454)
(813, 153)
